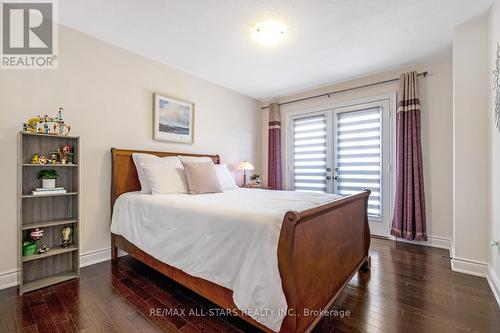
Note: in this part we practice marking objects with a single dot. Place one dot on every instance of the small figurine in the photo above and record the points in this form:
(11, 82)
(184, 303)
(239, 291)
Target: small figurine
(36, 234)
(67, 149)
(66, 234)
(43, 159)
(59, 114)
(32, 125)
(35, 159)
(53, 158)
(42, 250)
(64, 152)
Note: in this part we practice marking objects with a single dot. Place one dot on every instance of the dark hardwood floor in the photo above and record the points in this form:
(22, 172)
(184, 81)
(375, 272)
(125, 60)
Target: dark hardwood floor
(409, 289)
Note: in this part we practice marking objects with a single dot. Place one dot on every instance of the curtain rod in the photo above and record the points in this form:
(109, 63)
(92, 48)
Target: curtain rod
(328, 94)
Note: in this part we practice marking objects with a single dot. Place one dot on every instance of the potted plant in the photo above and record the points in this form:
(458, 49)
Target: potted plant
(48, 178)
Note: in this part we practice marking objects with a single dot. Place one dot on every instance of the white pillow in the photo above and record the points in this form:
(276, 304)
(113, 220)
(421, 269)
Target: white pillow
(226, 180)
(165, 179)
(195, 159)
(140, 158)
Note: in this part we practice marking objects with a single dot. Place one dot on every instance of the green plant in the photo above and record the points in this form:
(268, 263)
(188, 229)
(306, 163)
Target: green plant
(254, 176)
(48, 174)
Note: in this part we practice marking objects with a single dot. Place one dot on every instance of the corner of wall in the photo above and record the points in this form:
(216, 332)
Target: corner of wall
(494, 283)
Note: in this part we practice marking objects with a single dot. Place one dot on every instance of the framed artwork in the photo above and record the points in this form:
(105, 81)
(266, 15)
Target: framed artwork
(173, 120)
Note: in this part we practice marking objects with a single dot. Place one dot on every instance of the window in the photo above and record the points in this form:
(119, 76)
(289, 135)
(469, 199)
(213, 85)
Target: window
(344, 150)
(309, 154)
(358, 155)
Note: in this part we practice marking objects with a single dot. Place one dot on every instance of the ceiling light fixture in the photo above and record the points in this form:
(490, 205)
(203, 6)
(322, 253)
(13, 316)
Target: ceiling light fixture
(268, 32)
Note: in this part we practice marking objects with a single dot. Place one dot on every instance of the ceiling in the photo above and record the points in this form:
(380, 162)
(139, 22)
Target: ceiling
(326, 41)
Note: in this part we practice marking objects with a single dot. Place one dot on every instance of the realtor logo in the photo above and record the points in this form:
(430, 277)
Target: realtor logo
(29, 35)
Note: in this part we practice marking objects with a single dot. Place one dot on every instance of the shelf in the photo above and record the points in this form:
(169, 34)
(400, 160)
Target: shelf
(47, 281)
(50, 135)
(44, 224)
(56, 211)
(51, 252)
(49, 165)
(25, 196)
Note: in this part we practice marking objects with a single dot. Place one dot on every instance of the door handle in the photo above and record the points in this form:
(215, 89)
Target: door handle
(328, 177)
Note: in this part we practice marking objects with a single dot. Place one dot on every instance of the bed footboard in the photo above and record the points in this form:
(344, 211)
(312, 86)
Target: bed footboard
(319, 251)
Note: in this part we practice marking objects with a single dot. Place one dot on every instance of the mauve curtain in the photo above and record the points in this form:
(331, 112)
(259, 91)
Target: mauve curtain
(274, 148)
(409, 208)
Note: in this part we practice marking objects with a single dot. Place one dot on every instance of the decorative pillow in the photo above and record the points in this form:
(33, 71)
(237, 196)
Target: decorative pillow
(140, 158)
(226, 180)
(201, 177)
(197, 159)
(165, 179)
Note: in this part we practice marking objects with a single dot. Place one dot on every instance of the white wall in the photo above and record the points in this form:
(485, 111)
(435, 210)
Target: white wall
(108, 97)
(437, 112)
(494, 38)
(471, 145)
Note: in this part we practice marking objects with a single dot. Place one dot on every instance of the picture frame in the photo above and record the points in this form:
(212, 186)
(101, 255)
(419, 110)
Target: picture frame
(173, 120)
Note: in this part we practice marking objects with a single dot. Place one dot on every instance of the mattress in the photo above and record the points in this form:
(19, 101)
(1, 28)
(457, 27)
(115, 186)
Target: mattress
(228, 238)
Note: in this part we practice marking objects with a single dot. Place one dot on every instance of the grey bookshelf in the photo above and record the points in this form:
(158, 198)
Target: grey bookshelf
(49, 212)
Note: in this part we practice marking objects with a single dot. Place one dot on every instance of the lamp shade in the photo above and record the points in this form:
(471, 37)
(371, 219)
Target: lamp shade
(246, 166)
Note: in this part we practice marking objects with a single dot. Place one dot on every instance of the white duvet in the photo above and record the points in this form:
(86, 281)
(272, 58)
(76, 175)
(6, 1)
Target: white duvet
(229, 238)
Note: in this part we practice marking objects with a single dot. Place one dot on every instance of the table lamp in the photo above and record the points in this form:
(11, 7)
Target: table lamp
(245, 166)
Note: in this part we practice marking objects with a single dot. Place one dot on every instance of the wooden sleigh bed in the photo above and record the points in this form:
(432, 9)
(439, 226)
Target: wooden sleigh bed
(319, 250)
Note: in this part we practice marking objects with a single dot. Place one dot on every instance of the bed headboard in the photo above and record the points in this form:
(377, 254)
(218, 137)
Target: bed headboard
(124, 175)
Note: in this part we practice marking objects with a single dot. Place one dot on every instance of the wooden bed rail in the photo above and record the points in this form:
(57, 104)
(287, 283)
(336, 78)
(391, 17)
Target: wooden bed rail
(319, 250)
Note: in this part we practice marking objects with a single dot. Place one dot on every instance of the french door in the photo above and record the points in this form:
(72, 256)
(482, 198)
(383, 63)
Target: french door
(345, 150)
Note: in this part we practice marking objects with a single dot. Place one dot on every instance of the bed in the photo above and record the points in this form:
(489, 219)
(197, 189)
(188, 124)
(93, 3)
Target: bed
(319, 244)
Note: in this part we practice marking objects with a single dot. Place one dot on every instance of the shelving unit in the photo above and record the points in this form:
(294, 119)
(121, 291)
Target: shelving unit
(50, 212)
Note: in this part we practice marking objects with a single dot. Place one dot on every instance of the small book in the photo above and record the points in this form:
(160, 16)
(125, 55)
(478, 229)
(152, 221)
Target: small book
(41, 189)
(49, 192)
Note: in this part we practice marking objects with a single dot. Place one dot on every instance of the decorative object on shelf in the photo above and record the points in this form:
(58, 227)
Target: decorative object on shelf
(66, 236)
(173, 120)
(35, 159)
(48, 191)
(48, 178)
(496, 88)
(47, 125)
(29, 248)
(53, 159)
(255, 179)
(64, 153)
(36, 234)
(245, 166)
(43, 250)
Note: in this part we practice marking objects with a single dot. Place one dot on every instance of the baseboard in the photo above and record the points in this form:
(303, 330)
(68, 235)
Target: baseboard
(432, 241)
(471, 267)
(494, 283)
(94, 257)
(9, 279)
